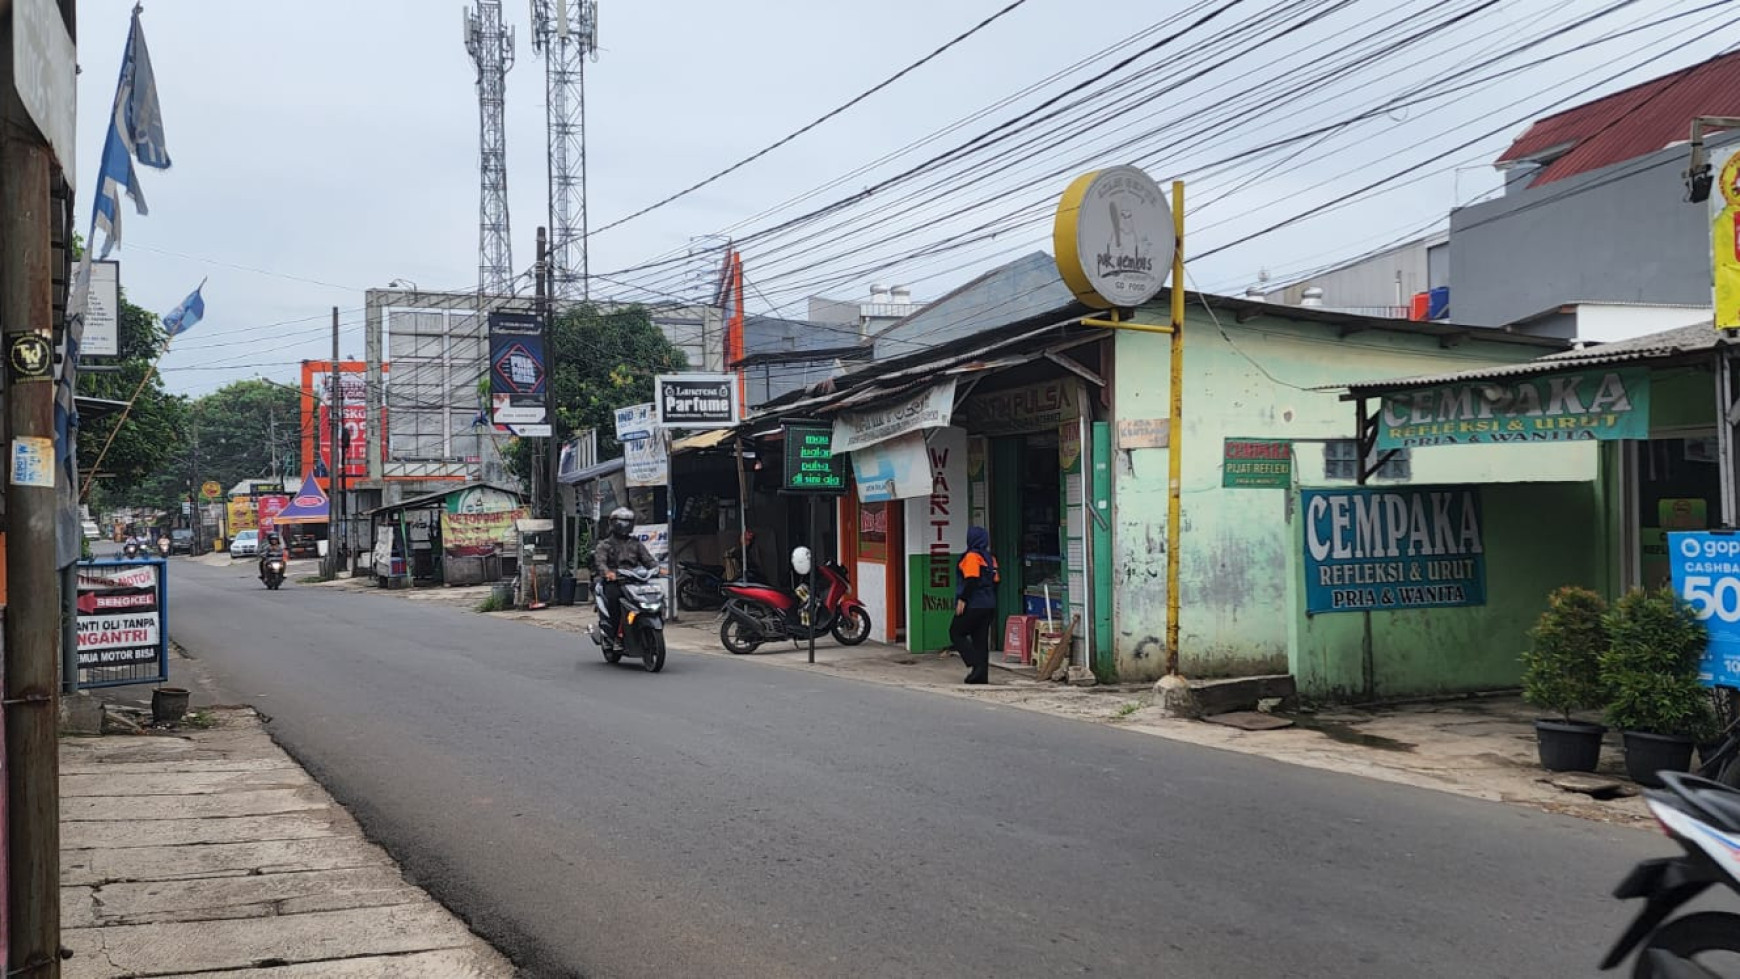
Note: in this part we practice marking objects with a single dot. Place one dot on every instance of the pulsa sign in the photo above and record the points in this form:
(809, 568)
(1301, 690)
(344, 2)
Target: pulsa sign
(1571, 407)
(695, 400)
(1389, 549)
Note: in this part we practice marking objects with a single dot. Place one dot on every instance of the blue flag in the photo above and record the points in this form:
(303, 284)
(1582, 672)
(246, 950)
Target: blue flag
(135, 132)
(185, 316)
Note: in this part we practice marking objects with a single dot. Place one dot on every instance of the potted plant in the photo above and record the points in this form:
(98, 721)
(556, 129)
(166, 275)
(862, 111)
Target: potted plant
(1650, 674)
(1562, 674)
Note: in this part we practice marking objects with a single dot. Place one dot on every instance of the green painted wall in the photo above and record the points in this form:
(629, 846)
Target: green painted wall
(1682, 397)
(1258, 379)
(1536, 539)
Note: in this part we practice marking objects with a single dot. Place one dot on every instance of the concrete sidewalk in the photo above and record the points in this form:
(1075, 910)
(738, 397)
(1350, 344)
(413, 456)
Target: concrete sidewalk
(212, 852)
(1480, 747)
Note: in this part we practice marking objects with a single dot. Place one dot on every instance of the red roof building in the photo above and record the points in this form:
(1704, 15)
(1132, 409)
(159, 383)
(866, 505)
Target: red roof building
(1628, 123)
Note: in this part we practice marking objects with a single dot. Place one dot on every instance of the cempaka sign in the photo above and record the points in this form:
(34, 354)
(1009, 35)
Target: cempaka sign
(1114, 237)
(1571, 407)
(1370, 550)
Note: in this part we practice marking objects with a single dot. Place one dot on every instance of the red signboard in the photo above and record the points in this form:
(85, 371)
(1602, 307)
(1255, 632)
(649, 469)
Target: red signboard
(269, 508)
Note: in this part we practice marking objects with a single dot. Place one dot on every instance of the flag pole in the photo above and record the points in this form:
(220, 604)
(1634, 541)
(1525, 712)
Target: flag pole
(150, 372)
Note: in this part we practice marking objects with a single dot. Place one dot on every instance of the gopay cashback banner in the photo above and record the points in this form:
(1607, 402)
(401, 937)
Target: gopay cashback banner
(1575, 406)
(1706, 574)
(1384, 549)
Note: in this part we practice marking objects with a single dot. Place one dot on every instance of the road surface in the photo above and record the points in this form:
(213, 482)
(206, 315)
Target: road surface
(729, 819)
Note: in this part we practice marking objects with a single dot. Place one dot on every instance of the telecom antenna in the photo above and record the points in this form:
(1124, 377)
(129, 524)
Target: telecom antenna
(566, 32)
(492, 49)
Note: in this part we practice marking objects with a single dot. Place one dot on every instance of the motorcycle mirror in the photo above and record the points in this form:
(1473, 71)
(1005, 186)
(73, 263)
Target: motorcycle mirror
(800, 560)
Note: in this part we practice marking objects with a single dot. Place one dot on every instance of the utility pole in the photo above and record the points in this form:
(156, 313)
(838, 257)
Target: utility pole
(542, 302)
(334, 446)
(32, 630)
(553, 447)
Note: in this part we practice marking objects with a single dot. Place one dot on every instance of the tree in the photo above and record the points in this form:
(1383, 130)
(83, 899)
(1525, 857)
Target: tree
(240, 430)
(152, 435)
(604, 360)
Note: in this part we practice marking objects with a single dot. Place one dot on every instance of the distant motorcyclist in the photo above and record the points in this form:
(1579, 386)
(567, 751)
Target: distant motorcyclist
(272, 551)
(618, 549)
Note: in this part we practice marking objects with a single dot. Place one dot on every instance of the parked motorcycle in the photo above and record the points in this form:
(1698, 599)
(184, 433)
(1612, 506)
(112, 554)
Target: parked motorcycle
(639, 626)
(700, 586)
(757, 613)
(272, 573)
(1703, 817)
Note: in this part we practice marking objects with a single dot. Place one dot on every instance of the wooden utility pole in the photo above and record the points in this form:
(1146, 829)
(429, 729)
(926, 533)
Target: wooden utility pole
(334, 455)
(32, 630)
(553, 447)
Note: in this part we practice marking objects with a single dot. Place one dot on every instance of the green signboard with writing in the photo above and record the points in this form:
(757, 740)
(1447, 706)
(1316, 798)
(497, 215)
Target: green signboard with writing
(1575, 406)
(810, 463)
(1256, 464)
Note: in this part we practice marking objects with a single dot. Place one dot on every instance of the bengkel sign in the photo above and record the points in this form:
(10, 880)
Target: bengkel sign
(695, 400)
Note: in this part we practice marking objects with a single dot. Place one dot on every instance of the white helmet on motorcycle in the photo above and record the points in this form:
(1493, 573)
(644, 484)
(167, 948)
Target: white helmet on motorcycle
(801, 560)
(621, 523)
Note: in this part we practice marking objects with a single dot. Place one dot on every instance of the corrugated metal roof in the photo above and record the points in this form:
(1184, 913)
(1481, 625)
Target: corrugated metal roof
(1630, 123)
(1655, 346)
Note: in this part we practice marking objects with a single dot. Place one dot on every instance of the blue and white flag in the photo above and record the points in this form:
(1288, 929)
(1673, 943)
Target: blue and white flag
(135, 132)
(185, 316)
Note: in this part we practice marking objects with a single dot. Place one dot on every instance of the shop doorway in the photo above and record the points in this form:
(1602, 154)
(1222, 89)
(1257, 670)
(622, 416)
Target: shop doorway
(1026, 525)
(1675, 485)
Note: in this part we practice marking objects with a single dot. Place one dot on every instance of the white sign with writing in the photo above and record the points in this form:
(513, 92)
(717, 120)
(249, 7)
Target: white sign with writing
(644, 461)
(102, 336)
(634, 422)
(930, 408)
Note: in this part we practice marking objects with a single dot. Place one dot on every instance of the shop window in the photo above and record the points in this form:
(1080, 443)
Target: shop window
(1341, 461)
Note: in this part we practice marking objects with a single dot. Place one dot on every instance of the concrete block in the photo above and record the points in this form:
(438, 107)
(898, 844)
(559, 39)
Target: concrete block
(208, 898)
(1244, 693)
(111, 834)
(218, 860)
(239, 943)
(1174, 697)
(456, 963)
(181, 783)
(81, 713)
(264, 802)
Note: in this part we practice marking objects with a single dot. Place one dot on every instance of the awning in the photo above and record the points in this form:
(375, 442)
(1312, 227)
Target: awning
(592, 472)
(309, 505)
(703, 440)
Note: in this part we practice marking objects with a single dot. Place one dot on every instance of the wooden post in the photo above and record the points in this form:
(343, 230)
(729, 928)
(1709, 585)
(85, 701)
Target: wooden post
(32, 628)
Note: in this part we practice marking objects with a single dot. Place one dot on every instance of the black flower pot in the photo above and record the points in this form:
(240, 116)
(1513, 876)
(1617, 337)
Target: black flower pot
(1646, 754)
(1568, 746)
(168, 705)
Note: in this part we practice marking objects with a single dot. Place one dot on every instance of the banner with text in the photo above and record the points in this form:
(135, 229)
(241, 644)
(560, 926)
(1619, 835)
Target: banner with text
(1572, 407)
(1706, 574)
(898, 469)
(517, 376)
(1385, 549)
(122, 636)
(930, 408)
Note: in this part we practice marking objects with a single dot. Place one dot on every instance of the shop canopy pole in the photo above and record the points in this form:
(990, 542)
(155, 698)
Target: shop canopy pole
(1175, 430)
(1725, 431)
(742, 514)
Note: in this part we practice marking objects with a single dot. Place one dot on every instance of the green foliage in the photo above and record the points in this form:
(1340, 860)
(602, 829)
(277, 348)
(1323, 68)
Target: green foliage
(493, 603)
(154, 429)
(240, 428)
(1650, 668)
(603, 360)
(1561, 667)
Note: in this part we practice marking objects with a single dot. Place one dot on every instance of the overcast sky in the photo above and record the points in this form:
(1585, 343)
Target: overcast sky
(321, 148)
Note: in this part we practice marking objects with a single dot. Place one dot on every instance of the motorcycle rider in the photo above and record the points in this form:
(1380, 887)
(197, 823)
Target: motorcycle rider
(618, 549)
(273, 551)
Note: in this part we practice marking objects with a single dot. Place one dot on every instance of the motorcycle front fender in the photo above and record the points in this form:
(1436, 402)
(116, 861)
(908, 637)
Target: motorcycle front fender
(1666, 884)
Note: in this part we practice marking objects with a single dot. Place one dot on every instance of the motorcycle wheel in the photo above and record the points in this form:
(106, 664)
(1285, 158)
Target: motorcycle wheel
(852, 628)
(612, 655)
(736, 637)
(652, 651)
(691, 597)
(1706, 931)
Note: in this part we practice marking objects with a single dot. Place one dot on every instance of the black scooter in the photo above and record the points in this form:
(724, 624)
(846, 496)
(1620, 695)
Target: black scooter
(638, 627)
(272, 573)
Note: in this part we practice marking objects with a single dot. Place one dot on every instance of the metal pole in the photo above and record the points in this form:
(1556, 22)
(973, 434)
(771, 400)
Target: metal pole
(69, 629)
(553, 444)
(815, 555)
(334, 450)
(32, 627)
(1175, 431)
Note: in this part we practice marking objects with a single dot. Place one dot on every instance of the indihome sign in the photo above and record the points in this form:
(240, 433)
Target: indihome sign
(1571, 407)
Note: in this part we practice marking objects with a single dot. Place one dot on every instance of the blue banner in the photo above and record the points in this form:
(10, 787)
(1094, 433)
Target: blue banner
(1390, 548)
(1706, 575)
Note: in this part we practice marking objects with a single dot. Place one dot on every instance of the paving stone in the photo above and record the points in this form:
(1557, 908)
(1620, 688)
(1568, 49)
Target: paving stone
(185, 763)
(240, 943)
(469, 963)
(221, 860)
(209, 898)
(1250, 720)
(256, 802)
(180, 783)
(120, 834)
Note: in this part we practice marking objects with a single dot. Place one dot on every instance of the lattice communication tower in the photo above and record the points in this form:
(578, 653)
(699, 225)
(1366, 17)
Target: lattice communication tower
(491, 46)
(566, 32)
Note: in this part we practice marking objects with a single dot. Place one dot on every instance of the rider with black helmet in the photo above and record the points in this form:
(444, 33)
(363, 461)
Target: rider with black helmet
(619, 548)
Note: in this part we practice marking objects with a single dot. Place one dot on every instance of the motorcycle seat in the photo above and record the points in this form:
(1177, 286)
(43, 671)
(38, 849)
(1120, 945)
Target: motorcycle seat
(1715, 800)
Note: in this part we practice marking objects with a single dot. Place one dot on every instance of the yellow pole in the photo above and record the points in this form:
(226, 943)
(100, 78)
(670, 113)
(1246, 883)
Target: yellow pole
(1174, 430)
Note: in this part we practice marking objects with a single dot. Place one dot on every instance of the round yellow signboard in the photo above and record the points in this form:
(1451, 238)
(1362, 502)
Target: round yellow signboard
(211, 490)
(1114, 237)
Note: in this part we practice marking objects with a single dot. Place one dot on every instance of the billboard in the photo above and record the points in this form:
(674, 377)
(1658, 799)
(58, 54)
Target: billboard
(1391, 548)
(695, 400)
(317, 419)
(518, 381)
(102, 336)
(122, 637)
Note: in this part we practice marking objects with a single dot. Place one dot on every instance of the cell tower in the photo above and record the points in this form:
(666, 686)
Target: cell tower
(566, 31)
(492, 49)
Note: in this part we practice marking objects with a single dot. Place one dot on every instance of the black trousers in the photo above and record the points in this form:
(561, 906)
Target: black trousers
(970, 633)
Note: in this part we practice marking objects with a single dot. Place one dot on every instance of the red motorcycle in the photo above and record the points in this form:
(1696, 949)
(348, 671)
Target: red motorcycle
(757, 613)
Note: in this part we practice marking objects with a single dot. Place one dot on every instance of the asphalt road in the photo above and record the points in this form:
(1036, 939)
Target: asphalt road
(729, 819)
